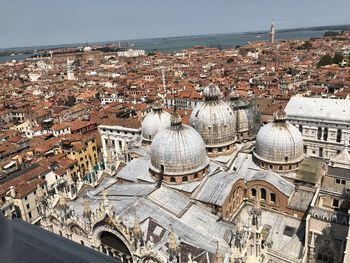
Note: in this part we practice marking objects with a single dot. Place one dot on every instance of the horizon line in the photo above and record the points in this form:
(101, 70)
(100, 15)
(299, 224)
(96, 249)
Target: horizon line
(191, 35)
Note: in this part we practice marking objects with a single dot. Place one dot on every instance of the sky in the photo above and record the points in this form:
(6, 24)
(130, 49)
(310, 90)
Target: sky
(46, 22)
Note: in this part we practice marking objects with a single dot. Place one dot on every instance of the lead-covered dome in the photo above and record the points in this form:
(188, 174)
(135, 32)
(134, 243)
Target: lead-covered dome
(154, 122)
(215, 122)
(244, 117)
(279, 145)
(178, 153)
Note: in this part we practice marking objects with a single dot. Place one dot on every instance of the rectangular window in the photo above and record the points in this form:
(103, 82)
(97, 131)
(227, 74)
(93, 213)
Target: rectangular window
(321, 152)
(325, 134)
(338, 135)
(319, 133)
(335, 203)
(30, 215)
(343, 182)
(27, 206)
(337, 181)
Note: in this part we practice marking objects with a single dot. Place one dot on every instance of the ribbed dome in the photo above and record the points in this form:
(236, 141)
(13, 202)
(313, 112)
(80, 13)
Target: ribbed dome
(243, 113)
(214, 120)
(154, 122)
(178, 150)
(279, 142)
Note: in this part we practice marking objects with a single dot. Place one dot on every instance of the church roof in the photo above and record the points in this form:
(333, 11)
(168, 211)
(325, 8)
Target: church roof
(216, 188)
(275, 179)
(343, 158)
(319, 108)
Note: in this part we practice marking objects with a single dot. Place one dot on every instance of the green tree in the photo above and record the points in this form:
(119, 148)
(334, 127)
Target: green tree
(307, 45)
(338, 58)
(230, 60)
(325, 60)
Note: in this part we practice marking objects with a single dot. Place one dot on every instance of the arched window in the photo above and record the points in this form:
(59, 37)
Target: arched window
(110, 241)
(253, 192)
(280, 167)
(272, 198)
(286, 158)
(325, 255)
(263, 194)
(271, 166)
(172, 179)
(290, 167)
(185, 179)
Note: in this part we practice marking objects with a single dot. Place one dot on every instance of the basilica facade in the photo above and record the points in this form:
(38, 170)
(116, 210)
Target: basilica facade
(212, 191)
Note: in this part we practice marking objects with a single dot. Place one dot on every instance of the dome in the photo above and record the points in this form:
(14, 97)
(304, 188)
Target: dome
(87, 49)
(279, 144)
(244, 116)
(178, 151)
(215, 122)
(154, 122)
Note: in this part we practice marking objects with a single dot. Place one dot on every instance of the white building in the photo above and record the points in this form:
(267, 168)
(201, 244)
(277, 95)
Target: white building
(70, 72)
(324, 123)
(116, 134)
(131, 53)
(109, 98)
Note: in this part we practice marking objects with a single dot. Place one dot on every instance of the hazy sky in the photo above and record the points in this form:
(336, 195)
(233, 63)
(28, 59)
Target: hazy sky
(42, 22)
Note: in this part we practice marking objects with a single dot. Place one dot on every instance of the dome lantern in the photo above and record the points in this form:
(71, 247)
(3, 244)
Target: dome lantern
(175, 119)
(211, 92)
(280, 115)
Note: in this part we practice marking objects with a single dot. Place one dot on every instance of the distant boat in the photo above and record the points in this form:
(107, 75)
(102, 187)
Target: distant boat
(258, 36)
